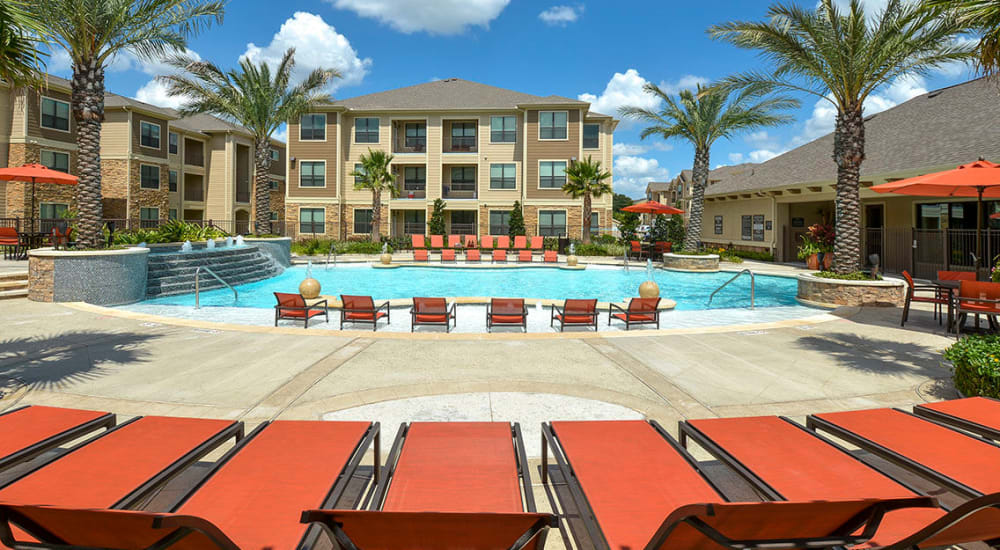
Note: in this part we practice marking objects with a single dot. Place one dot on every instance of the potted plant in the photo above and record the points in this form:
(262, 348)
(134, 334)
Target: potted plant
(816, 247)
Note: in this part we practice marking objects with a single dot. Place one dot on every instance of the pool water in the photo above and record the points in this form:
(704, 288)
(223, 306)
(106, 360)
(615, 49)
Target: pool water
(608, 284)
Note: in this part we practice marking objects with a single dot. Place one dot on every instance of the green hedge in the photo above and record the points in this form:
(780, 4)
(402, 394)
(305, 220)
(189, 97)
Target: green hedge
(976, 361)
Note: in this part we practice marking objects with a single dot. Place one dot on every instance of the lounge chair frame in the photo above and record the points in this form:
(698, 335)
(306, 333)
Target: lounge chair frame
(946, 419)
(628, 316)
(105, 421)
(451, 319)
(561, 311)
(816, 424)
(489, 318)
(374, 311)
(550, 443)
(378, 500)
(320, 305)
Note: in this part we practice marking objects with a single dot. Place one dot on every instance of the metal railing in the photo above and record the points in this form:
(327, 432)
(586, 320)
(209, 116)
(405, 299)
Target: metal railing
(197, 285)
(331, 252)
(753, 286)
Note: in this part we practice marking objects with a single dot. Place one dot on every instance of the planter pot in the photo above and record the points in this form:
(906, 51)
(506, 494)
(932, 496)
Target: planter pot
(813, 261)
(680, 262)
(824, 292)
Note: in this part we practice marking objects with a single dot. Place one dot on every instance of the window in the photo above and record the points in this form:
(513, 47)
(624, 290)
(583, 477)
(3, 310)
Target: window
(56, 160)
(551, 223)
(312, 174)
(718, 225)
(746, 228)
(463, 178)
(591, 136)
(172, 179)
(502, 176)
(149, 176)
(275, 155)
(358, 169)
(499, 222)
(55, 114)
(274, 216)
(416, 135)
(366, 130)
(173, 214)
(312, 220)
(273, 185)
(503, 129)
(362, 220)
(595, 223)
(758, 228)
(172, 142)
(312, 127)
(463, 217)
(552, 124)
(52, 210)
(149, 135)
(414, 178)
(149, 214)
(463, 136)
(552, 175)
(414, 222)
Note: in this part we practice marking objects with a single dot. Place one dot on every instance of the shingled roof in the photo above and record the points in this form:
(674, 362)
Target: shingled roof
(946, 127)
(451, 93)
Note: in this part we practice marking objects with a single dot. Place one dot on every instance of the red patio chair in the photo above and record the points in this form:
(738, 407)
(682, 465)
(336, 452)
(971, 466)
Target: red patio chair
(662, 247)
(911, 296)
(641, 311)
(979, 415)
(432, 311)
(9, 242)
(454, 241)
(486, 242)
(418, 241)
(448, 255)
(294, 307)
(520, 242)
(361, 309)
(503, 242)
(499, 256)
(537, 244)
(472, 255)
(524, 256)
(550, 256)
(420, 255)
(508, 312)
(956, 275)
(30, 431)
(978, 298)
(437, 242)
(470, 242)
(581, 313)
(62, 239)
(636, 249)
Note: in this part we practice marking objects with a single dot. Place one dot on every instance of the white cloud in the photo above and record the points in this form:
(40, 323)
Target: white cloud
(624, 89)
(154, 92)
(633, 173)
(432, 16)
(633, 149)
(281, 134)
(317, 45)
(686, 82)
(561, 15)
(734, 158)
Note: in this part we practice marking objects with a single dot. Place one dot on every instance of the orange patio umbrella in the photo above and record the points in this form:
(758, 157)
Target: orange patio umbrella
(36, 173)
(652, 207)
(980, 179)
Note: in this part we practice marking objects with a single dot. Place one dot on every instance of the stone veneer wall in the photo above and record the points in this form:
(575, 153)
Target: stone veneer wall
(574, 219)
(332, 227)
(114, 187)
(835, 292)
(708, 262)
(140, 197)
(18, 194)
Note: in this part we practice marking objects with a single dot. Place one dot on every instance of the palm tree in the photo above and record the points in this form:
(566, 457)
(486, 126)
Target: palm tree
(983, 17)
(844, 57)
(586, 179)
(254, 98)
(93, 32)
(703, 117)
(21, 59)
(377, 176)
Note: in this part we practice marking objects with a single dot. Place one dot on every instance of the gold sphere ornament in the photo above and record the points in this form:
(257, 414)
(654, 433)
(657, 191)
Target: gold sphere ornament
(649, 289)
(386, 258)
(309, 288)
(571, 260)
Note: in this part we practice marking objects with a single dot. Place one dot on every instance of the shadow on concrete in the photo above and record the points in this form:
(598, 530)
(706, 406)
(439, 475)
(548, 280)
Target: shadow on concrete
(877, 356)
(58, 360)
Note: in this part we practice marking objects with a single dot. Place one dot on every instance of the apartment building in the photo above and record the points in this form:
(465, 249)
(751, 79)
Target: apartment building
(155, 165)
(477, 147)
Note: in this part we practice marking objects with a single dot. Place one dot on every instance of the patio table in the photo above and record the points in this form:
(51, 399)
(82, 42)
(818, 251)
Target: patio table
(950, 287)
(28, 240)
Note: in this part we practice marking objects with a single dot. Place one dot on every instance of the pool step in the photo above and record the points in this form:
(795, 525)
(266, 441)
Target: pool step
(173, 273)
(13, 285)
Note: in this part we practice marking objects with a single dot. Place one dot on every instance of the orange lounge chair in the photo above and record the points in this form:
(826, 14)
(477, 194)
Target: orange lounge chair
(30, 431)
(633, 486)
(432, 311)
(486, 243)
(294, 307)
(943, 455)
(508, 312)
(524, 256)
(448, 255)
(251, 499)
(418, 241)
(361, 309)
(470, 242)
(503, 242)
(454, 241)
(579, 313)
(641, 311)
(550, 256)
(472, 255)
(537, 244)
(420, 255)
(499, 256)
(977, 298)
(520, 242)
(437, 242)
(979, 415)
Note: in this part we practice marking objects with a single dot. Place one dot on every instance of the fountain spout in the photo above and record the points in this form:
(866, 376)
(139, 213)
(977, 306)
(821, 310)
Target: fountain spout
(210, 244)
(186, 247)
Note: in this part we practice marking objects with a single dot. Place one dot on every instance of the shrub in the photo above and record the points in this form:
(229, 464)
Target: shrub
(516, 223)
(173, 231)
(976, 365)
(594, 249)
(627, 224)
(753, 255)
(852, 276)
(604, 239)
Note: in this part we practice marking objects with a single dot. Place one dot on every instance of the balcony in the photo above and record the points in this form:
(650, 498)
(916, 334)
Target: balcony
(242, 195)
(463, 229)
(194, 152)
(464, 144)
(456, 190)
(412, 191)
(409, 137)
(194, 188)
(461, 137)
(413, 228)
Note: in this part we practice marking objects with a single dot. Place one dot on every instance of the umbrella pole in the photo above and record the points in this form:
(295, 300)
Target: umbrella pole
(979, 231)
(32, 228)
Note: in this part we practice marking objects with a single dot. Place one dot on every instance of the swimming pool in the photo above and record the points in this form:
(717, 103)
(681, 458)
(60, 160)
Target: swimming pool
(607, 284)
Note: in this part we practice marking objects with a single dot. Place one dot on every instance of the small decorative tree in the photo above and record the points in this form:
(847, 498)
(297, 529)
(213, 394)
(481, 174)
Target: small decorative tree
(516, 220)
(436, 224)
(660, 229)
(627, 226)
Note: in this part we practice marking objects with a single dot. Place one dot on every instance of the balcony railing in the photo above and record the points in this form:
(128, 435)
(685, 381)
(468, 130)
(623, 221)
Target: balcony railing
(194, 192)
(413, 228)
(194, 153)
(459, 191)
(412, 191)
(463, 229)
(462, 144)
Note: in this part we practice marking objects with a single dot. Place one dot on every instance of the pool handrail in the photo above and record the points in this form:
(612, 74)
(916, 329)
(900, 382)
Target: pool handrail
(197, 285)
(753, 286)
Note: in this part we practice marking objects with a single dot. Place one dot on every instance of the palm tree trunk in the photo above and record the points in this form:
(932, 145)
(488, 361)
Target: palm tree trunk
(849, 153)
(700, 176)
(88, 113)
(376, 215)
(586, 218)
(262, 187)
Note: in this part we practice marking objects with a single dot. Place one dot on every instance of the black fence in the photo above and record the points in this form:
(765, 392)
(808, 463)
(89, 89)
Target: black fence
(924, 252)
(231, 227)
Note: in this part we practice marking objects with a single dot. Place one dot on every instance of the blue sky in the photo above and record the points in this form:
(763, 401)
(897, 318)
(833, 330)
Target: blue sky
(600, 51)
